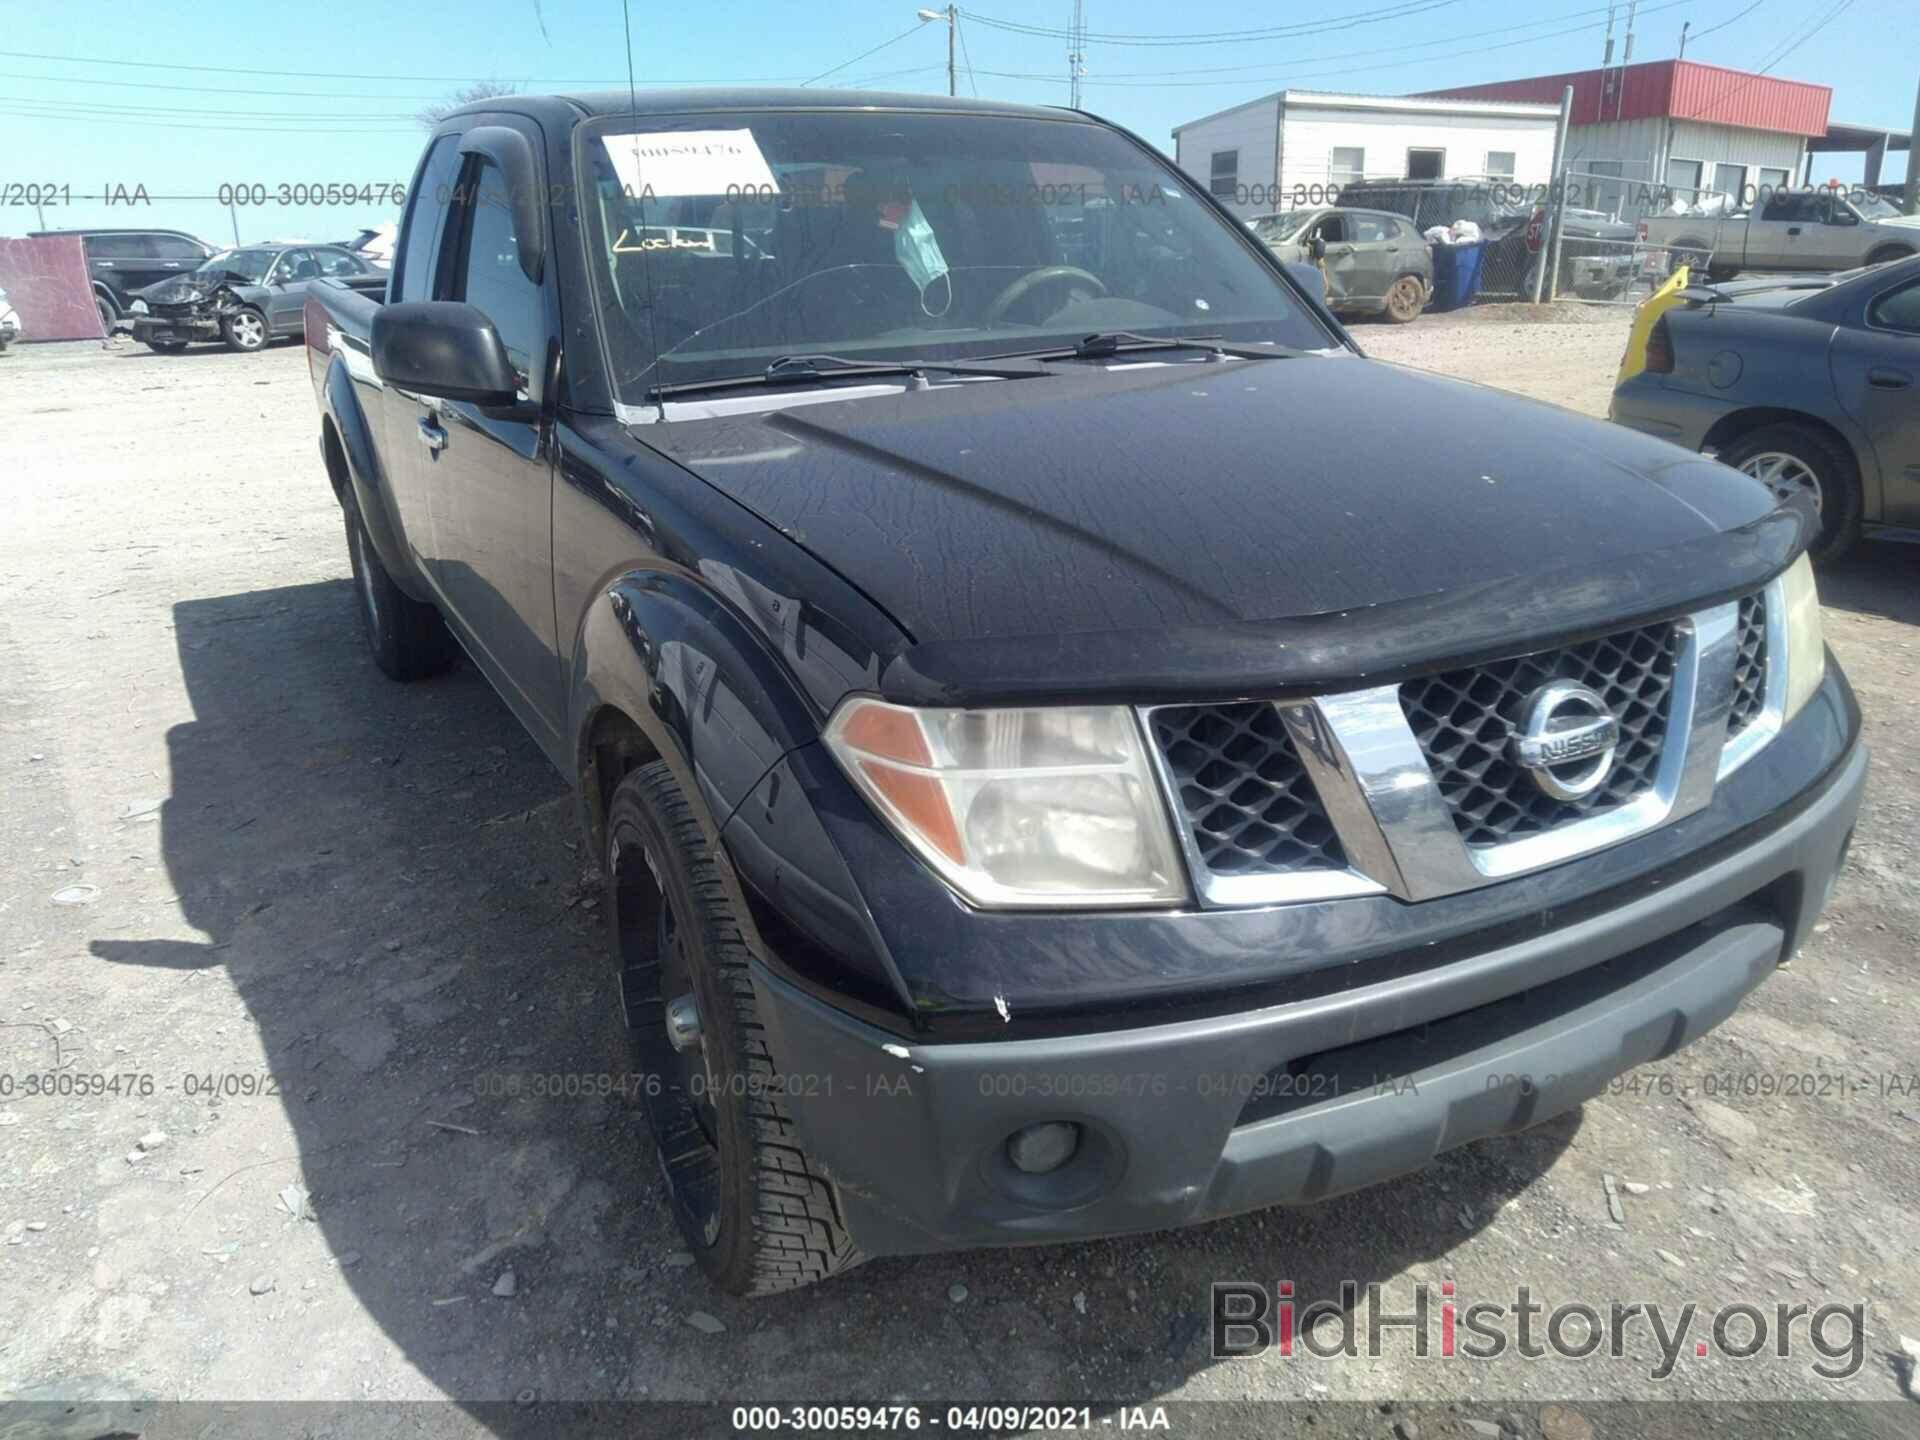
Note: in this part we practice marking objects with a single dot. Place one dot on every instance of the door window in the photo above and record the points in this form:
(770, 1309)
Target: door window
(292, 266)
(177, 247)
(338, 262)
(1797, 206)
(1333, 229)
(1368, 229)
(119, 247)
(487, 273)
(1897, 310)
(426, 208)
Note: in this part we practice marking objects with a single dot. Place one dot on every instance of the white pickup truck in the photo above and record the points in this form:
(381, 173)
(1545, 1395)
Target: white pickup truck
(1791, 230)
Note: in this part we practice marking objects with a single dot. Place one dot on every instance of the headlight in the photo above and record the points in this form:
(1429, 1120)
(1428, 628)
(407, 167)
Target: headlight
(1806, 650)
(1051, 807)
(138, 307)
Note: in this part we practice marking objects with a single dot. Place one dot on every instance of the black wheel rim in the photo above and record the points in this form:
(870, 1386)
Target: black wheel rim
(676, 1087)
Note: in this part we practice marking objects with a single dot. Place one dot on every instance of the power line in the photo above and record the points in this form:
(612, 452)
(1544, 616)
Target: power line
(1400, 11)
(1383, 49)
(1342, 69)
(972, 83)
(619, 81)
(1724, 23)
(863, 54)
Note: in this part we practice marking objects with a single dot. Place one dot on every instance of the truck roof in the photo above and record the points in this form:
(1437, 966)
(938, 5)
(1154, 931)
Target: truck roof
(707, 100)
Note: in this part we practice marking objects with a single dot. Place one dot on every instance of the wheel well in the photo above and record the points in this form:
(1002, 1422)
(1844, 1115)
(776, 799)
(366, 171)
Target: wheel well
(615, 748)
(1730, 428)
(1881, 254)
(335, 454)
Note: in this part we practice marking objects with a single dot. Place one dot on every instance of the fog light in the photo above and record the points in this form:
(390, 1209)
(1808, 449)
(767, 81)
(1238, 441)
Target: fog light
(1043, 1147)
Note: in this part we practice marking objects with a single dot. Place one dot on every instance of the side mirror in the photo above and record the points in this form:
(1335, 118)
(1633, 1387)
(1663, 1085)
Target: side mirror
(1319, 247)
(1309, 279)
(443, 348)
(1843, 216)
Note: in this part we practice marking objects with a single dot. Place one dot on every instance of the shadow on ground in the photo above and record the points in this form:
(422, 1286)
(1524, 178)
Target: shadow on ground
(391, 878)
(1877, 577)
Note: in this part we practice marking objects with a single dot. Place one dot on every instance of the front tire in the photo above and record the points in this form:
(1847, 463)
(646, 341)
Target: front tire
(1793, 457)
(756, 1212)
(167, 347)
(109, 314)
(245, 330)
(408, 639)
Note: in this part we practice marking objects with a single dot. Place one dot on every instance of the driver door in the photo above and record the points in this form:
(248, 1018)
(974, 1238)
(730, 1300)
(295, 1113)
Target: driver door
(287, 290)
(1339, 258)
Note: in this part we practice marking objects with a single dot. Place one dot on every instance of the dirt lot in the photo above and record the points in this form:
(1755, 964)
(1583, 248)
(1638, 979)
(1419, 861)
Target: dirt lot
(310, 925)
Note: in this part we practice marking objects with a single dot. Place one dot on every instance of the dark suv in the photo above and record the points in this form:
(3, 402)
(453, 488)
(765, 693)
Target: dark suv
(120, 262)
(1596, 253)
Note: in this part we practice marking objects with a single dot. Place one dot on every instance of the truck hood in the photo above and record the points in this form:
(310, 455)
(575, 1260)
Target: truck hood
(1198, 499)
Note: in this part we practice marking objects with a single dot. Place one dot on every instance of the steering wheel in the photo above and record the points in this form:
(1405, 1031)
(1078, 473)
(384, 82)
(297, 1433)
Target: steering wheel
(1045, 275)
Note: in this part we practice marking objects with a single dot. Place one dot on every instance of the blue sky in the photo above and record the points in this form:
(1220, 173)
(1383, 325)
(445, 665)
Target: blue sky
(96, 96)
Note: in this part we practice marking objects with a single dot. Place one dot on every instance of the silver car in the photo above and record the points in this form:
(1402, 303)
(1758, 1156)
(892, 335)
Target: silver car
(1374, 261)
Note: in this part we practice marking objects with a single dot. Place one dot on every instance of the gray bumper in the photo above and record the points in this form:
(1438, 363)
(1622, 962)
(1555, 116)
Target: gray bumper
(1191, 1121)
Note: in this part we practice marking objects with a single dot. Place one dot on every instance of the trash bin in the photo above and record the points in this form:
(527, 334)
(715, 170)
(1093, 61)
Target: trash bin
(1456, 274)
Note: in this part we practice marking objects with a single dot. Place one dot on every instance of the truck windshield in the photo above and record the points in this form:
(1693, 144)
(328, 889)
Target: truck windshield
(720, 243)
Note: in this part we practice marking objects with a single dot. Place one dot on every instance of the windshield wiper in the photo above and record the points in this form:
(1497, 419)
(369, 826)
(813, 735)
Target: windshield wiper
(807, 369)
(1103, 343)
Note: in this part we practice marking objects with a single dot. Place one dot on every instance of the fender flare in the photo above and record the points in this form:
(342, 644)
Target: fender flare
(372, 495)
(714, 701)
(705, 692)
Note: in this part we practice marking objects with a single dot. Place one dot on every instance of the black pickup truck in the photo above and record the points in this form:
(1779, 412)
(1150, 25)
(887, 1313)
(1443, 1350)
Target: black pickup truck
(1061, 764)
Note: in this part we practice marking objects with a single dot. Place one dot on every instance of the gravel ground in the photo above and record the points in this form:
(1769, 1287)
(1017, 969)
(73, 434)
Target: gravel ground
(284, 933)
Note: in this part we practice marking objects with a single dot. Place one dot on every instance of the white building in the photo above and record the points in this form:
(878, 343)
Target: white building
(1298, 147)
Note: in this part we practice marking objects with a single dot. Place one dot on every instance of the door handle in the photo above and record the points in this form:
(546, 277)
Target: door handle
(1793, 229)
(432, 435)
(1883, 379)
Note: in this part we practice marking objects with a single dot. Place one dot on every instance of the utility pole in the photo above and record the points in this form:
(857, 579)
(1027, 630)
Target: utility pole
(1547, 278)
(1076, 56)
(952, 16)
(1910, 202)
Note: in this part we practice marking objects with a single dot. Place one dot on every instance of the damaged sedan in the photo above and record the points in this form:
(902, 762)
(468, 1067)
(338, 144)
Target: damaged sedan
(244, 297)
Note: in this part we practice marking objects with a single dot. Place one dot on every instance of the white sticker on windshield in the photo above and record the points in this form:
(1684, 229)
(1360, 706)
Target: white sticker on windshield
(690, 162)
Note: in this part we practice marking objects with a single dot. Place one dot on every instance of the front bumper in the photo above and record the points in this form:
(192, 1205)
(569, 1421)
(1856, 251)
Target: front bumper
(174, 329)
(1296, 1102)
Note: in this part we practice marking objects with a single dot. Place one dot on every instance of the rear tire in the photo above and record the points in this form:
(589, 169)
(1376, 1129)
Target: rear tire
(757, 1214)
(1793, 456)
(245, 330)
(1406, 298)
(408, 639)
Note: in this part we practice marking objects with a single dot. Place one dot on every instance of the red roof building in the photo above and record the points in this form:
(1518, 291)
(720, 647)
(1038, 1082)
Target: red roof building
(1673, 90)
(1643, 133)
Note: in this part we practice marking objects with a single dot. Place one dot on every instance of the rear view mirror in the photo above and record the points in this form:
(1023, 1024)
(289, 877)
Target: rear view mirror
(445, 349)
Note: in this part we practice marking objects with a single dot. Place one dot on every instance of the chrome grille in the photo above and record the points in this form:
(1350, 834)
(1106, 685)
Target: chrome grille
(1464, 718)
(1242, 791)
(1749, 665)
